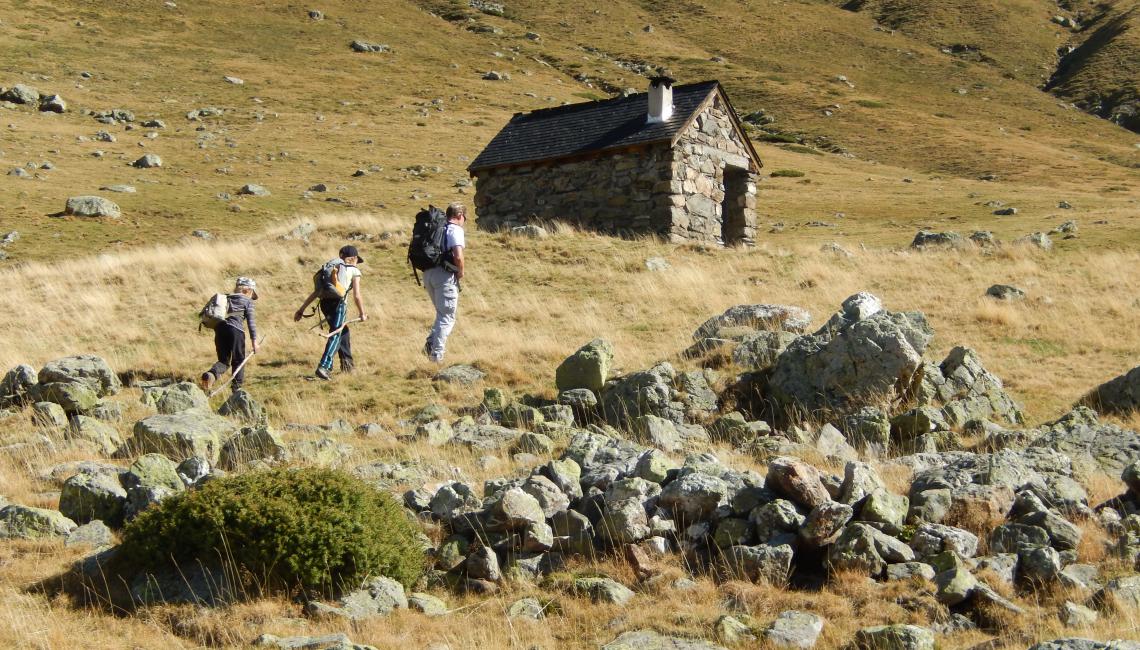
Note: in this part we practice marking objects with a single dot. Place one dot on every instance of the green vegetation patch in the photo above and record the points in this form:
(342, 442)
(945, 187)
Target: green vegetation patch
(870, 103)
(317, 529)
(786, 173)
(778, 137)
(1038, 346)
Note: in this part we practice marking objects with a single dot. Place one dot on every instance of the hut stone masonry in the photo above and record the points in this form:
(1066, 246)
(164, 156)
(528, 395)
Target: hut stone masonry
(671, 162)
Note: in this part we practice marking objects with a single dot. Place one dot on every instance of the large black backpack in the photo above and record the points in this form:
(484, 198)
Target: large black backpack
(427, 249)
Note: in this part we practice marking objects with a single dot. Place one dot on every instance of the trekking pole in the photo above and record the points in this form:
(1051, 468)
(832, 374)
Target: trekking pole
(236, 370)
(338, 330)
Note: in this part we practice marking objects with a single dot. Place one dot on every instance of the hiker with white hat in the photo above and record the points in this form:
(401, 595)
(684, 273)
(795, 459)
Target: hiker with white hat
(229, 335)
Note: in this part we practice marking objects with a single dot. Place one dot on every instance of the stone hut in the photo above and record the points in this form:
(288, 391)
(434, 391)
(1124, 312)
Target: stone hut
(672, 162)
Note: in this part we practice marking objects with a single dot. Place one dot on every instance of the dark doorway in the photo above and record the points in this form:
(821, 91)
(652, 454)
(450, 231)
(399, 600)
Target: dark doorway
(732, 209)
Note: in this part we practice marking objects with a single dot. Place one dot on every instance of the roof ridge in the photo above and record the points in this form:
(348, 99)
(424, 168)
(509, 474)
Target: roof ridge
(568, 108)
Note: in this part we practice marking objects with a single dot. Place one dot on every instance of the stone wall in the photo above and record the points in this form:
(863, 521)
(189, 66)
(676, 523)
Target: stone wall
(674, 193)
(704, 152)
(622, 193)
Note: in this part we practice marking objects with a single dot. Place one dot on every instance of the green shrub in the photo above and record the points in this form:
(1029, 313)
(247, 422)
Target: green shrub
(778, 137)
(317, 529)
(786, 173)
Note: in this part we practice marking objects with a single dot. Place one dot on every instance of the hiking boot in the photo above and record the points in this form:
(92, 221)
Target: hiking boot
(207, 381)
(347, 366)
(321, 373)
(427, 348)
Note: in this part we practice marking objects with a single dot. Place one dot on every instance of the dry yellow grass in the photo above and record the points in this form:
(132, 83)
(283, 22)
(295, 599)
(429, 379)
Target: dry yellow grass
(526, 305)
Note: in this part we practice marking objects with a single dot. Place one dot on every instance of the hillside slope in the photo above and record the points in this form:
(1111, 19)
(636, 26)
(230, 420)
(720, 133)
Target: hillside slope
(397, 128)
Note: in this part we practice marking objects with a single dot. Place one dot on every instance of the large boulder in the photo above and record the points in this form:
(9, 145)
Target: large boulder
(589, 367)
(796, 480)
(763, 563)
(75, 398)
(776, 318)
(17, 383)
(86, 369)
(182, 435)
(794, 629)
(854, 361)
(693, 496)
(103, 436)
(25, 522)
(92, 206)
(21, 94)
(894, 637)
(96, 492)
(759, 350)
(1120, 395)
(250, 444)
(176, 398)
(1092, 445)
(967, 391)
(649, 392)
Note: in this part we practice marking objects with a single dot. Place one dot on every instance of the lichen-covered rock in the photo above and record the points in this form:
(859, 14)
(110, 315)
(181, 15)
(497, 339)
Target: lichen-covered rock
(763, 563)
(1092, 445)
(18, 382)
(649, 392)
(380, 597)
(25, 522)
(858, 361)
(693, 496)
(894, 637)
(240, 404)
(587, 368)
(604, 590)
(967, 391)
(96, 492)
(75, 398)
(795, 629)
(776, 318)
(91, 206)
(86, 369)
(759, 350)
(182, 435)
(176, 398)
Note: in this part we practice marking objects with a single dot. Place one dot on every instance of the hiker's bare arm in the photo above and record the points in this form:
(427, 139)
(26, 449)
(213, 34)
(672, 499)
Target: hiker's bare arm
(457, 259)
(357, 299)
(300, 313)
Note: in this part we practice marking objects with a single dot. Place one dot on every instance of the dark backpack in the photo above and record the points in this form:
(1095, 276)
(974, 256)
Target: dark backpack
(427, 248)
(326, 281)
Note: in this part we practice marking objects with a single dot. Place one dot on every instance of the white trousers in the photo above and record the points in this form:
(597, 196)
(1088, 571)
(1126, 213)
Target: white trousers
(443, 288)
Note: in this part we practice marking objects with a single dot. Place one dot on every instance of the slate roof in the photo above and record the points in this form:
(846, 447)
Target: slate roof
(588, 127)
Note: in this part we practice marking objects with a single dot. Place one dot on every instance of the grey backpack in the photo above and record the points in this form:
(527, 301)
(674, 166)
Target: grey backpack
(215, 311)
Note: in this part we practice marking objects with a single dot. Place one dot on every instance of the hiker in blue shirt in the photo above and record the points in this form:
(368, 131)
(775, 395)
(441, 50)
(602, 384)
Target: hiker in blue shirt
(229, 336)
(341, 277)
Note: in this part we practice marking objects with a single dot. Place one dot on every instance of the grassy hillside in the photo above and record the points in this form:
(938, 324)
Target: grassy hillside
(312, 111)
(897, 147)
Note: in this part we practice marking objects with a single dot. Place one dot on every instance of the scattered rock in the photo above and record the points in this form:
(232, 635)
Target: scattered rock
(91, 206)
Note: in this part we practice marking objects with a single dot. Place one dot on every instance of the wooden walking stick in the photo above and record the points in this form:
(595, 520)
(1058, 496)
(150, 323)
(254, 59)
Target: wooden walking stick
(238, 369)
(329, 335)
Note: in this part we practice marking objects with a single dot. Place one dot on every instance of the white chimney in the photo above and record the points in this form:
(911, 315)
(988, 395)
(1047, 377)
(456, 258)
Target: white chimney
(660, 100)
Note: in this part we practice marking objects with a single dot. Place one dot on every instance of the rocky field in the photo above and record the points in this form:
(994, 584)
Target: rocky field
(906, 419)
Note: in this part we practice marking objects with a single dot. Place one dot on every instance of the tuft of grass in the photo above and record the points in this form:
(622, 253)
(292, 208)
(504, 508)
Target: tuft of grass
(786, 173)
(870, 103)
